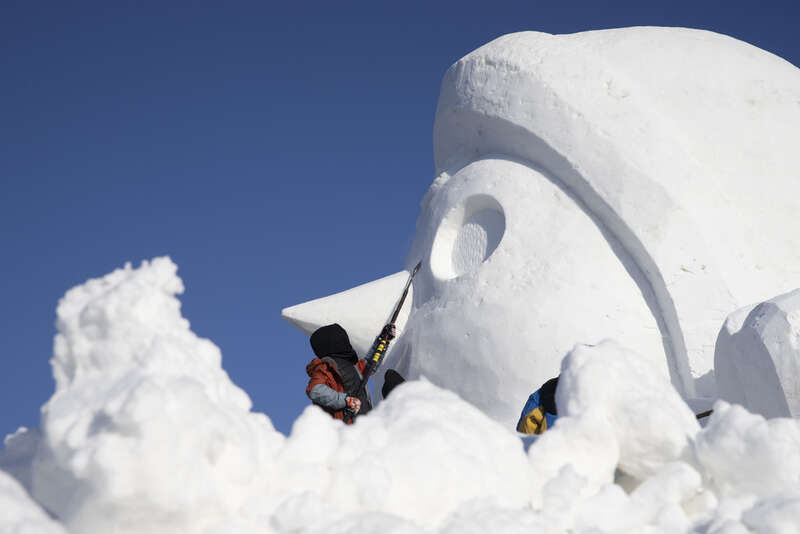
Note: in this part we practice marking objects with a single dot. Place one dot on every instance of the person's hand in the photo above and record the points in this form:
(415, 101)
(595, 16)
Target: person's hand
(389, 332)
(353, 404)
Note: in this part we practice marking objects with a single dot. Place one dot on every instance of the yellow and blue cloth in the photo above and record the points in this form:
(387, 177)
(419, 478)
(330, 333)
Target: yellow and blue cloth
(537, 415)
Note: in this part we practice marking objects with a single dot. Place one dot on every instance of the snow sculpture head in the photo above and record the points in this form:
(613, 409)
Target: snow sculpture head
(637, 184)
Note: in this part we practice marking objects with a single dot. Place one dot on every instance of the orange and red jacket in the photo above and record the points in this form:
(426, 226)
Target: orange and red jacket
(323, 371)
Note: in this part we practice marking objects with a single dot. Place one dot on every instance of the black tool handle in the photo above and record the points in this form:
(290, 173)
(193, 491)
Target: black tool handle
(381, 345)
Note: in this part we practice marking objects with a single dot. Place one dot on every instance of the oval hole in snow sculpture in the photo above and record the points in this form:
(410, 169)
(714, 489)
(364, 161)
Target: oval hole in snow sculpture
(467, 236)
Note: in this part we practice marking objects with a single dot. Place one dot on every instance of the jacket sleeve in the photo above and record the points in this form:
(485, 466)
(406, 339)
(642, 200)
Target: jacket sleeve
(317, 375)
(325, 396)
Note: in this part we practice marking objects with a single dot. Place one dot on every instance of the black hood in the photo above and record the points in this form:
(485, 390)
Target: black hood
(547, 395)
(332, 341)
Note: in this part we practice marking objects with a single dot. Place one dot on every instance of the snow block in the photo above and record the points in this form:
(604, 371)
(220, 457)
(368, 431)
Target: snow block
(757, 357)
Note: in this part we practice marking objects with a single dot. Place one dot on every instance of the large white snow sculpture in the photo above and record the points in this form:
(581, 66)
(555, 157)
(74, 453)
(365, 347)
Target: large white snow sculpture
(757, 360)
(635, 183)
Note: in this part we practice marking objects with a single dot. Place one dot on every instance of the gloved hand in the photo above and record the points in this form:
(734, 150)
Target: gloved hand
(389, 332)
(353, 404)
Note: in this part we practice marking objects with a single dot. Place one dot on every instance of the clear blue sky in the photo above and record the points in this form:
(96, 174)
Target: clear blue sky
(277, 153)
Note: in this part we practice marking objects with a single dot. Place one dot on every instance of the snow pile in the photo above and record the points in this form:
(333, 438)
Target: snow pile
(420, 457)
(19, 514)
(146, 433)
(757, 360)
(646, 438)
(145, 428)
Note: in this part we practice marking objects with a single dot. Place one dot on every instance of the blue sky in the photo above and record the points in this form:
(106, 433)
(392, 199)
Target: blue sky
(276, 153)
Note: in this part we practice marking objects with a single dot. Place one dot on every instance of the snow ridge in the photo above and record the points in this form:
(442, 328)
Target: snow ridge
(134, 445)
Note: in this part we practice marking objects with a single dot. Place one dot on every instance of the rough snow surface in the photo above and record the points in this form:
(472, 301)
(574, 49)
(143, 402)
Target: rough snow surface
(146, 434)
(646, 438)
(757, 361)
(145, 430)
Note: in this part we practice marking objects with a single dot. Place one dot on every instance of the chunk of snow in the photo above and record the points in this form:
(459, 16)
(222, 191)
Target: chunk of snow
(757, 359)
(745, 454)
(19, 514)
(17, 455)
(646, 416)
(145, 429)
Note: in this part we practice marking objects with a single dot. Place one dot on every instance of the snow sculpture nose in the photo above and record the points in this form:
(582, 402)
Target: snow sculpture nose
(362, 310)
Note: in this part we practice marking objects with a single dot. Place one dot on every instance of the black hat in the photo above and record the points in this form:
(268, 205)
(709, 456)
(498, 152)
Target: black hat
(332, 340)
(547, 395)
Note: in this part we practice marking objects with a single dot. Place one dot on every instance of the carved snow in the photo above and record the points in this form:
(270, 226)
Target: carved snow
(757, 360)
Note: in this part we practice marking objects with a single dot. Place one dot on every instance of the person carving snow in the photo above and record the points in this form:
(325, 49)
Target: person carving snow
(335, 374)
(540, 410)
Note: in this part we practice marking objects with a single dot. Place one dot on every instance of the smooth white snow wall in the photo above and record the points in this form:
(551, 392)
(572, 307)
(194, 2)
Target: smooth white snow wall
(757, 359)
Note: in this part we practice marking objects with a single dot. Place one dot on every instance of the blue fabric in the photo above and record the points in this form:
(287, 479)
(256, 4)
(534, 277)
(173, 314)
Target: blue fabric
(534, 401)
(550, 418)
